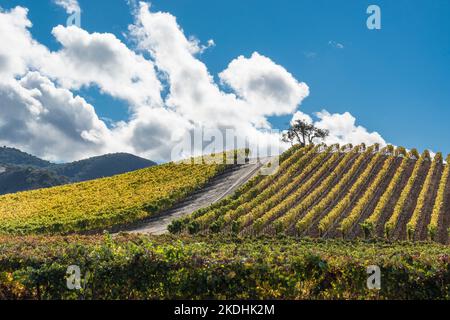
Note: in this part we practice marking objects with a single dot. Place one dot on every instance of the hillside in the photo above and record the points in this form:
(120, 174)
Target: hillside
(102, 203)
(333, 192)
(102, 166)
(20, 171)
(15, 157)
(15, 178)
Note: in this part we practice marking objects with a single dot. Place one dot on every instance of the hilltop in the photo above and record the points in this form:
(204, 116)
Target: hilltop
(338, 192)
(20, 171)
(16, 157)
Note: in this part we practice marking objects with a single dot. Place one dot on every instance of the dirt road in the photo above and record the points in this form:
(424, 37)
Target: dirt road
(219, 187)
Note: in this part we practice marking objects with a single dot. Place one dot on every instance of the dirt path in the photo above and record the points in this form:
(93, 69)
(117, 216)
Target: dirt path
(219, 187)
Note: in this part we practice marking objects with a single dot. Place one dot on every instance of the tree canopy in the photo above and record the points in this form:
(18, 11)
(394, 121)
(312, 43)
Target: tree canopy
(304, 133)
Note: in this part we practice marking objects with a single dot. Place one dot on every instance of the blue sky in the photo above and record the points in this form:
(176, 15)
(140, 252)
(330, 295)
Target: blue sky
(394, 81)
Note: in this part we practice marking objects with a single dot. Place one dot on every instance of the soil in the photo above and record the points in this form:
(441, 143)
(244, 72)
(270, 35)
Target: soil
(444, 220)
(269, 228)
(386, 214)
(356, 231)
(424, 220)
(400, 232)
(313, 230)
(333, 232)
(291, 230)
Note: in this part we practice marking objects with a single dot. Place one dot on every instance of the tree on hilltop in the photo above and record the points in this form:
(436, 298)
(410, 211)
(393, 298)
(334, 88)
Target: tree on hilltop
(304, 133)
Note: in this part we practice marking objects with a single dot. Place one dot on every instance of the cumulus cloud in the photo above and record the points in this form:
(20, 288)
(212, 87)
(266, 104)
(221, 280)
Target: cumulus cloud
(343, 129)
(266, 86)
(88, 59)
(48, 121)
(40, 114)
(301, 116)
(71, 6)
(18, 50)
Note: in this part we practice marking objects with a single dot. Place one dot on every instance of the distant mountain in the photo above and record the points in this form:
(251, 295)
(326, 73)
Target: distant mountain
(15, 157)
(103, 166)
(16, 178)
(20, 171)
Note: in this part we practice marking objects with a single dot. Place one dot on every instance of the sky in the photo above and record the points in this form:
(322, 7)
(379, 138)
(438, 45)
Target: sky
(388, 86)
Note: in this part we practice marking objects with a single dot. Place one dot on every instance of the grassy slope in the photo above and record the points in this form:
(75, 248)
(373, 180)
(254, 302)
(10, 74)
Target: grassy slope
(101, 203)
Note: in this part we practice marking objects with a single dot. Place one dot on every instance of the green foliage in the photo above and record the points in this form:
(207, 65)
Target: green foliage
(133, 267)
(193, 227)
(176, 226)
(15, 157)
(401, 151)
(414, 154)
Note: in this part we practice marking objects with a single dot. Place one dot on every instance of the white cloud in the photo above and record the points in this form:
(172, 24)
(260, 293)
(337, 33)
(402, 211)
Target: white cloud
(101, 59)
(48, 121)
(41, 115)
(301, 116)
(266, 86)
(18, 50)
(71, 6)
(343, 129)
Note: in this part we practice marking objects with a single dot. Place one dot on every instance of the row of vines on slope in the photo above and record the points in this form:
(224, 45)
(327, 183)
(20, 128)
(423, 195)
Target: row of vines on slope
(399, 207)
(329, 191)
(327, 221)
(283, 222)
(438, 209)
(284, 203)
(420, 206)
(314, 213)
(265, 186)
(357, 210)
(282, 190)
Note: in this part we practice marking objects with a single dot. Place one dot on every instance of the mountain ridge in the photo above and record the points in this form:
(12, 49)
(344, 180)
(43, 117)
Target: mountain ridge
(20, 171)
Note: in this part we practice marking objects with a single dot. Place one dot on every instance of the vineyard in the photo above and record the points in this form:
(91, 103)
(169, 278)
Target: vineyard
(281, 236)
(216, 267)
(338, 192)
(102, 203)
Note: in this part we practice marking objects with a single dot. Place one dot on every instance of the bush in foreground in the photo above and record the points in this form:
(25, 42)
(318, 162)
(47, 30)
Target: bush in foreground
(132, 267)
